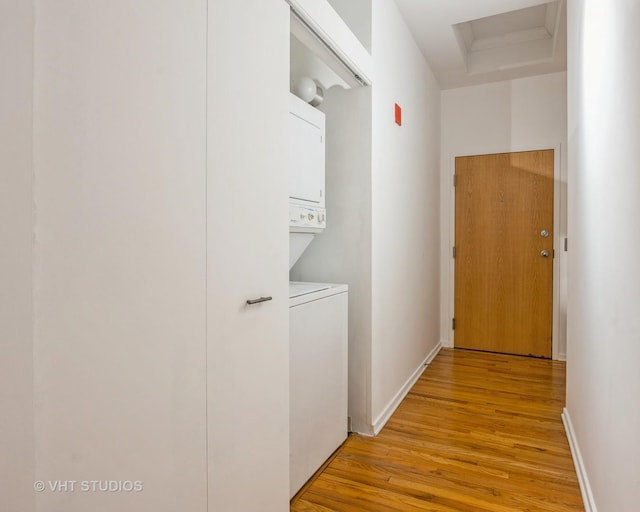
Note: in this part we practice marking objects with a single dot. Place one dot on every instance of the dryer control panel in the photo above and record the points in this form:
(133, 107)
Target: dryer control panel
(305, 219)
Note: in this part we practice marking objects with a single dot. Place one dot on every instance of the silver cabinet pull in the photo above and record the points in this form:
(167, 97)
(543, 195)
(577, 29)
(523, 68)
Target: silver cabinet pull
(544, 254)
(250, 302)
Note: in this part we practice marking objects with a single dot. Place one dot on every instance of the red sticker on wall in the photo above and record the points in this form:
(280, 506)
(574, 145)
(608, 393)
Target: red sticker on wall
(398, 115)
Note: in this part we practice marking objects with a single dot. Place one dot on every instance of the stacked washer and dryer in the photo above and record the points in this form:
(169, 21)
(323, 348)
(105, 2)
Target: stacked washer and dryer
(317, 311)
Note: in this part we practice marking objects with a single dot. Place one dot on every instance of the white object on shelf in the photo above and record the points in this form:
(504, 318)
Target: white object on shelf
(308, 90)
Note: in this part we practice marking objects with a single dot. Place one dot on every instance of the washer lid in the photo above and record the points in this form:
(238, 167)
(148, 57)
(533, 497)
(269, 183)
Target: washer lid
(297, 289)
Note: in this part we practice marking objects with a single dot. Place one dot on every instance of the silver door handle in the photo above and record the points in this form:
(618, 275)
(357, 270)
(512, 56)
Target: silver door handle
(544, 254)
(250, 302)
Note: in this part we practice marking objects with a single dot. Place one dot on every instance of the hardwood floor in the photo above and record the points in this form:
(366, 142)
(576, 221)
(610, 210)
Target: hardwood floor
(478, 432)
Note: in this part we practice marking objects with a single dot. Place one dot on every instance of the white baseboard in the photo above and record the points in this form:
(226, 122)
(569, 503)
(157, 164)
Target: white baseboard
(562, 357)
(391, 407)
(581, 470)
(364, 429)
(446, 344)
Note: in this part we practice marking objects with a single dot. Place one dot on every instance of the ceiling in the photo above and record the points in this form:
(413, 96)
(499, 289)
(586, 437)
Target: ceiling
(469, 42)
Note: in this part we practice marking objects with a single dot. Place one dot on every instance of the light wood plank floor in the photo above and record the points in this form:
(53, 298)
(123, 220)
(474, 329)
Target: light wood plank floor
(478, 432)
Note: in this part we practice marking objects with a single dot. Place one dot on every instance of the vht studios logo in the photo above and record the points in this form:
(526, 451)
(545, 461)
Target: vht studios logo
(88, 485)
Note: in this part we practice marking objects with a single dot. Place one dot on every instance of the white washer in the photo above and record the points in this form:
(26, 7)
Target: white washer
(319, 355)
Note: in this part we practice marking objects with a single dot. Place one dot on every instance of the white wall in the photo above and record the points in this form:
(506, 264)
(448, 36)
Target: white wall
(405, 210)
(120, 268)
(603, 382)
(516, 115)
(16, 256)
(383, 220)
(357, 15)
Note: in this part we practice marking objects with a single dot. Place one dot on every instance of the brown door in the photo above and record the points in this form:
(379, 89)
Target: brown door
(504, 253)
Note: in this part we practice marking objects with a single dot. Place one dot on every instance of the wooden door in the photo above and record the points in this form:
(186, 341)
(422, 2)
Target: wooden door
(504, 252)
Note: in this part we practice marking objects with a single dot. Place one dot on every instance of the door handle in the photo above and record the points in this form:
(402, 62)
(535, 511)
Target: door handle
(251, 302)
(544, 253)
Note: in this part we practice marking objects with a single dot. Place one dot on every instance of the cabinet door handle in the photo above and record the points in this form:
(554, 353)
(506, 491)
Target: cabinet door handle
(250, 302)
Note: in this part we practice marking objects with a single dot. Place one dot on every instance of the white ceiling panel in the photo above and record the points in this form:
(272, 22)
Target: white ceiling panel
(468, 42)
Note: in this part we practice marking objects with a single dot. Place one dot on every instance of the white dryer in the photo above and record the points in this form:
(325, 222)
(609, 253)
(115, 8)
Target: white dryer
(318, 315)
(307, 214)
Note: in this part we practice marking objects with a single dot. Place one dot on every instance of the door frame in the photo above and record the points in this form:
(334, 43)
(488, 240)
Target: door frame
(558, 193)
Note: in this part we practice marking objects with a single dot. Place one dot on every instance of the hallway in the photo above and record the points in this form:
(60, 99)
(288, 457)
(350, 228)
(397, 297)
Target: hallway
(478, 432)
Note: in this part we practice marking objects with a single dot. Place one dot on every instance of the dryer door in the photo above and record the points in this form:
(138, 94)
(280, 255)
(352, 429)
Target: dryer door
(306, 153)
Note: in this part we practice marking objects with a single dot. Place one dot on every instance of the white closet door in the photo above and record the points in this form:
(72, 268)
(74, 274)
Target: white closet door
(248, 351)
